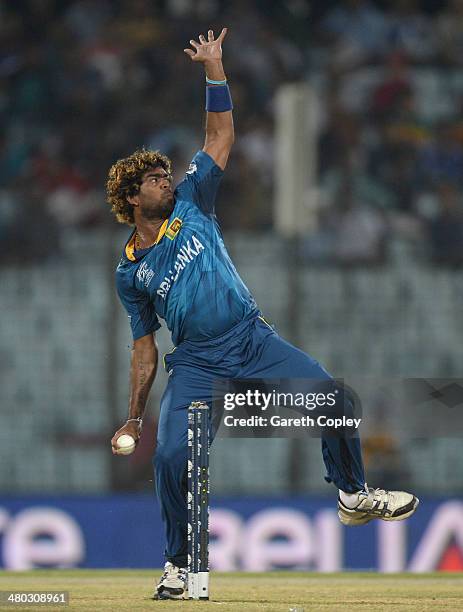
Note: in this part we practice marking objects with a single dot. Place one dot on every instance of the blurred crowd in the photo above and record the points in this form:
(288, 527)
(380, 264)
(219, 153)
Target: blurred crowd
(391, 146)
(83, 83)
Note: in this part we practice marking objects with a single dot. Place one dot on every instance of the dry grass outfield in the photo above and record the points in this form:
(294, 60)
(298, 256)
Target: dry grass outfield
(279, 591)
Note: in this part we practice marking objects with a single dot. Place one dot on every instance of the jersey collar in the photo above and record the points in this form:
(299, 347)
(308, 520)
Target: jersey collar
(130, 246)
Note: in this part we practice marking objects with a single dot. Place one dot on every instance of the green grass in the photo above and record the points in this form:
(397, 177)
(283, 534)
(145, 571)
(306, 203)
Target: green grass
(132, 590)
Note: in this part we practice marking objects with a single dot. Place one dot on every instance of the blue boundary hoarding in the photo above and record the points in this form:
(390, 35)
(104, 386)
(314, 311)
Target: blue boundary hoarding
(250, 533)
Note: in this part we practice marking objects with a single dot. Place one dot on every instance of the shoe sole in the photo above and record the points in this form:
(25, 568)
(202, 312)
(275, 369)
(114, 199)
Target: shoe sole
(167, 594)
(352, 521)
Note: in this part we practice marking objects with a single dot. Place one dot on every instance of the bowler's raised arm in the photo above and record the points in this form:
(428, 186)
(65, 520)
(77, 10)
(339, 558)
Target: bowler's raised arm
(219, 120)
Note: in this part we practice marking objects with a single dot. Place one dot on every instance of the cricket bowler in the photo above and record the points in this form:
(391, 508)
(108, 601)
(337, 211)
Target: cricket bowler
(175, 267)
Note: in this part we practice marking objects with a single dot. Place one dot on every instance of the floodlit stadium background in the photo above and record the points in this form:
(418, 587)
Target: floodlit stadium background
(342, 208)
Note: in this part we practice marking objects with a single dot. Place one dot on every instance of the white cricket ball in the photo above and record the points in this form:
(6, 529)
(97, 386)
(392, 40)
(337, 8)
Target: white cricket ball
(125, 444)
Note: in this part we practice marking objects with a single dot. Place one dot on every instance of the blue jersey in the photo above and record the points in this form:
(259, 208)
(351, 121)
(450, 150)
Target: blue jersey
(187, 278)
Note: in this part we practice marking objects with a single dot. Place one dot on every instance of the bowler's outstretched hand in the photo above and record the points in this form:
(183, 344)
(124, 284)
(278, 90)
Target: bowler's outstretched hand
(207, 50)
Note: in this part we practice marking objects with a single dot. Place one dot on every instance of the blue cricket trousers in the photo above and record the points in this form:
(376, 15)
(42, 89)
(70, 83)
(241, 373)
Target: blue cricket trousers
(251, 349)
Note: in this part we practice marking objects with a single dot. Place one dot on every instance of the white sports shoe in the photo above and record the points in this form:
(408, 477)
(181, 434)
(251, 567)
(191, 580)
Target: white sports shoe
(378, 504)
(173, 583)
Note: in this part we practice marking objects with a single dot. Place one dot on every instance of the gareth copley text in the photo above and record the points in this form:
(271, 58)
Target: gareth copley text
(303, 421)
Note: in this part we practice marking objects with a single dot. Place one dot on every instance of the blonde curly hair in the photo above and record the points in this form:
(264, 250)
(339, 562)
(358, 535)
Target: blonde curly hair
(124, 180)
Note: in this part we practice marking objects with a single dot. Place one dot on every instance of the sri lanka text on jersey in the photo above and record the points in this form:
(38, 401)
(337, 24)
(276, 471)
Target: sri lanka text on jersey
(185, 255)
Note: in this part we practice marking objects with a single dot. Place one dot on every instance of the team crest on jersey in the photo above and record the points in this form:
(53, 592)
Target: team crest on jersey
(174, 228)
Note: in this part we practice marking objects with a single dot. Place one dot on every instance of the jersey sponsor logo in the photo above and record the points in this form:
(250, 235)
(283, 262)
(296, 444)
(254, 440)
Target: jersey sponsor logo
(185, 255)
(145, 274)
(192, 168)
(174, 228)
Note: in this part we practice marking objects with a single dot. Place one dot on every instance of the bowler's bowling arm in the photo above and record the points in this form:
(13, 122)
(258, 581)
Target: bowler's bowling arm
(143, 367)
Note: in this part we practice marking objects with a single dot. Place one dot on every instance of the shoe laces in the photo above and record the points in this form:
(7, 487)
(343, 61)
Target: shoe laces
(376, 498)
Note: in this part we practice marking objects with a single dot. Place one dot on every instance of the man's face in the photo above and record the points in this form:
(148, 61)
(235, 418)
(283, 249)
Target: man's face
(155, 199)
